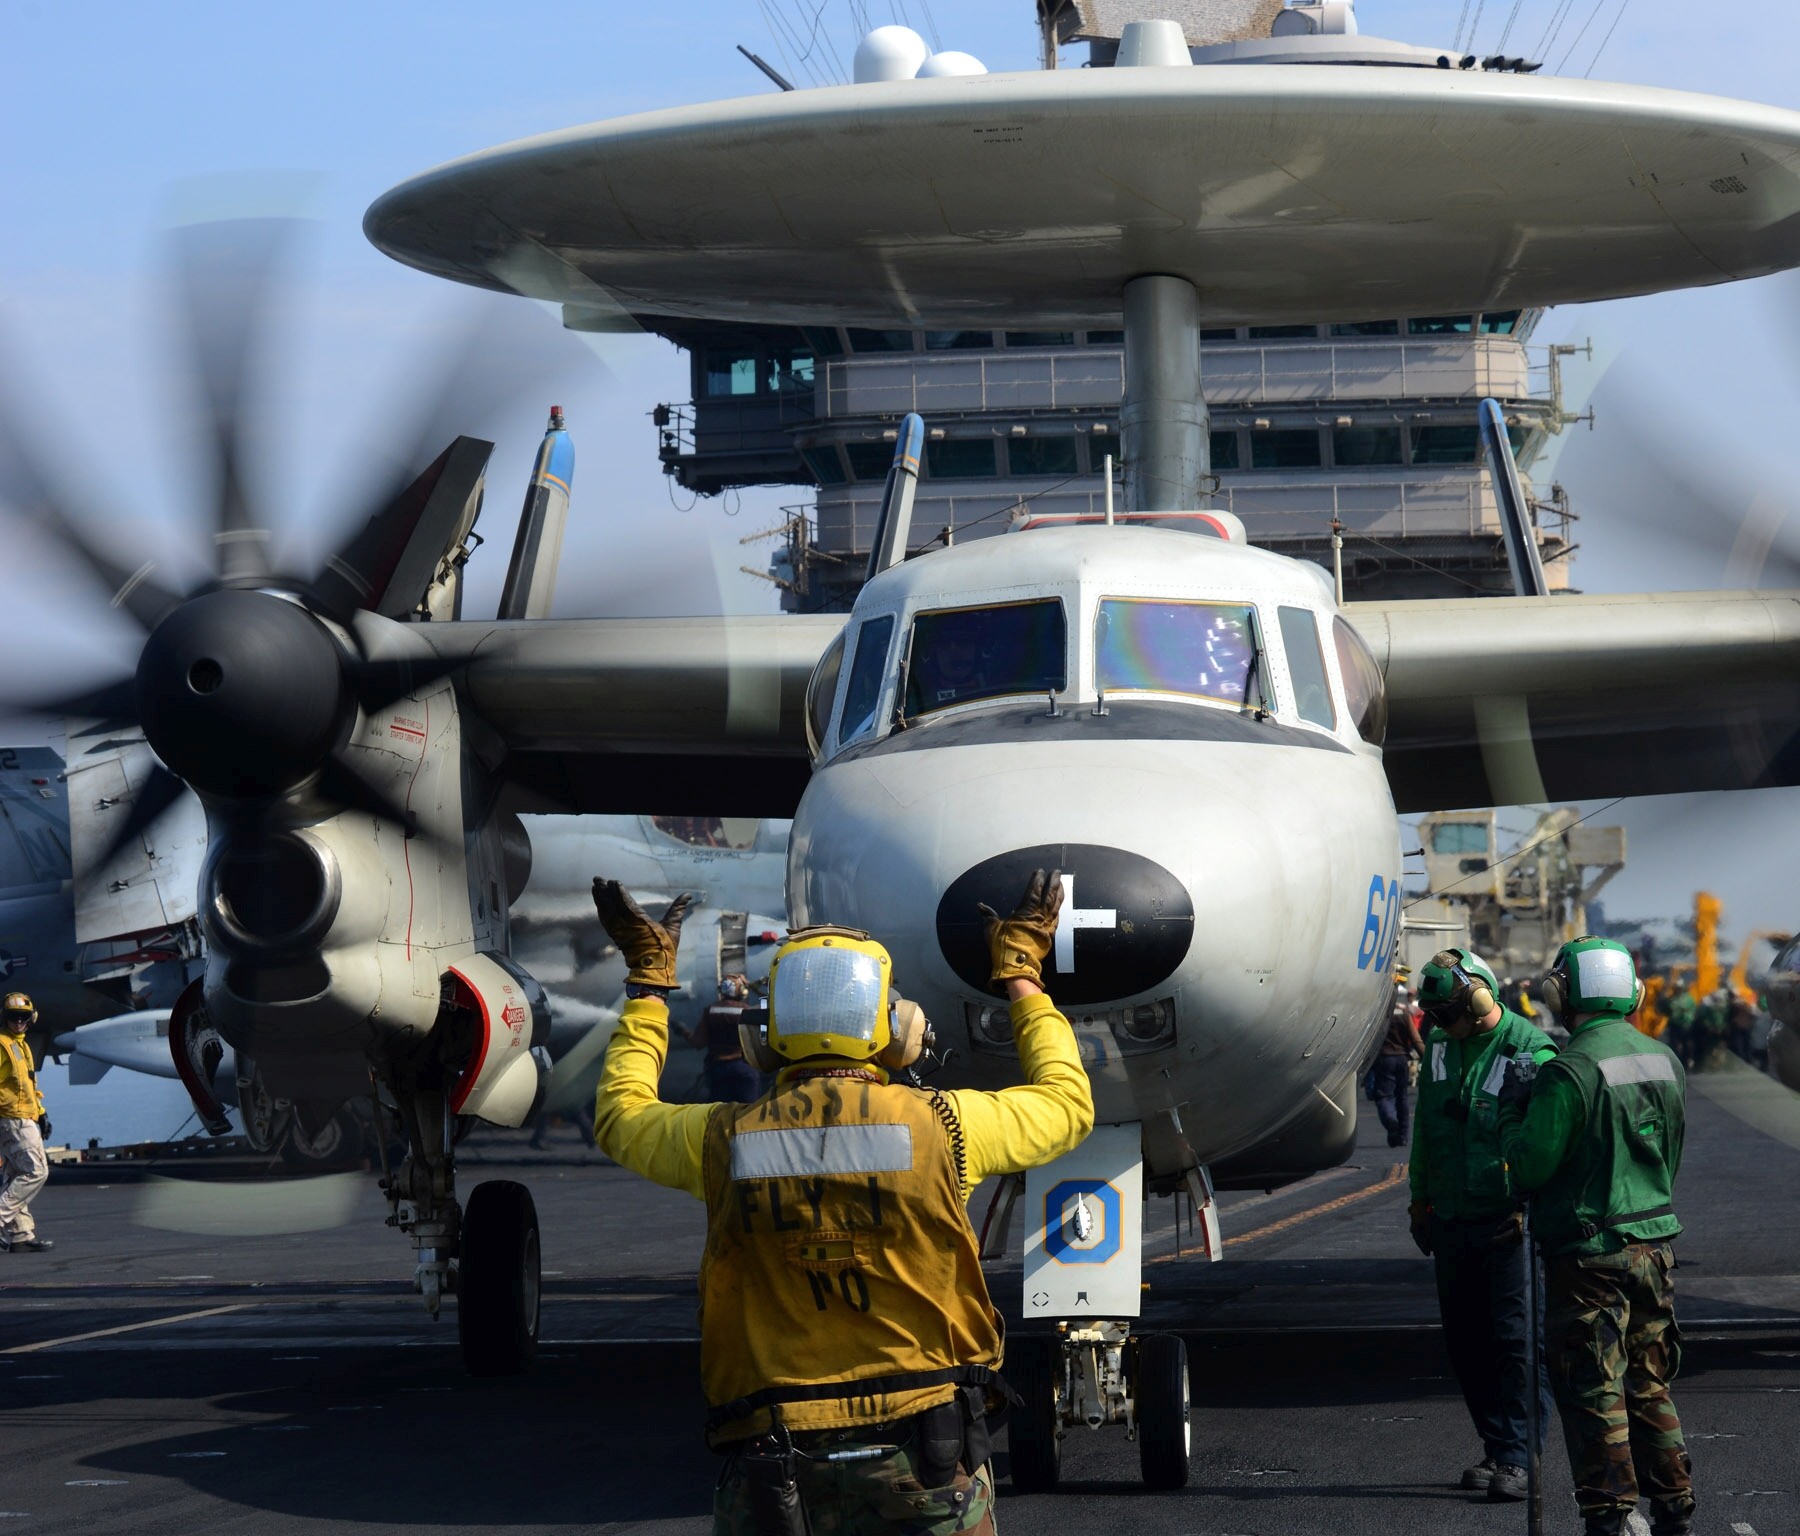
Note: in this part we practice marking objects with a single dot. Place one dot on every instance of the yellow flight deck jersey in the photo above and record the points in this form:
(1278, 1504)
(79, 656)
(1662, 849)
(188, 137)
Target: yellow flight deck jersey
(838, 1246)
(19, 1096)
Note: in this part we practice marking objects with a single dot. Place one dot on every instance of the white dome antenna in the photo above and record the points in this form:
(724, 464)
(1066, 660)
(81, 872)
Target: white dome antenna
(888, 53)
(950, 62)
(1323, 18)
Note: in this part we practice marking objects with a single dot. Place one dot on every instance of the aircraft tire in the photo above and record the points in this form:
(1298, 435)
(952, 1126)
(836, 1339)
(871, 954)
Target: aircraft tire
(498, 1281)
(1036, 1453)
(1165, 1433)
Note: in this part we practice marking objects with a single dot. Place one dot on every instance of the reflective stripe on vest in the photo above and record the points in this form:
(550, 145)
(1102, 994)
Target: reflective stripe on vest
(841, 1279)
(831, 1149)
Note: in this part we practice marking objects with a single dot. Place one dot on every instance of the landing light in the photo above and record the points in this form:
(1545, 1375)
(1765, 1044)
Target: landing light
(1137, 1030)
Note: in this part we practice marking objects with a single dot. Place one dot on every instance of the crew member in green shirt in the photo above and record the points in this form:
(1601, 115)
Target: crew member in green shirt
(1465, 1211)
(1595, 1138)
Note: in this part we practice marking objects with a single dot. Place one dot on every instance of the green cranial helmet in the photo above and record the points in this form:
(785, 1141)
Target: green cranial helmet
(1592, 975)
(1448, 981)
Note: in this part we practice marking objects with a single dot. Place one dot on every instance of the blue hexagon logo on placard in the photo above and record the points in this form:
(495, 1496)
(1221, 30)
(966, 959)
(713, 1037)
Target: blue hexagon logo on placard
(1064, 1239)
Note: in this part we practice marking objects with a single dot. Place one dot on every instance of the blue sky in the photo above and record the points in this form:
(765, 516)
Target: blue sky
(119, 117)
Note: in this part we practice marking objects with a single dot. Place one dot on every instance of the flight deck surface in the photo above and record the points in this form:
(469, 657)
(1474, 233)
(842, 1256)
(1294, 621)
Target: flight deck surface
(158, 1380)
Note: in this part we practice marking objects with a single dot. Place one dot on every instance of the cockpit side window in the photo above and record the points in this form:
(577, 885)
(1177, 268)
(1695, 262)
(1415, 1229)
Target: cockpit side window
(1365, 688)
(866, 672)
(1152, 645)
(821, 690)
(1306, 666)
(958, 655)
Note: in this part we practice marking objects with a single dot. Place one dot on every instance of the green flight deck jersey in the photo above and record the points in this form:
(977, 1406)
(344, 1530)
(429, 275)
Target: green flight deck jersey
(1600, 1144)
(1458, 1167)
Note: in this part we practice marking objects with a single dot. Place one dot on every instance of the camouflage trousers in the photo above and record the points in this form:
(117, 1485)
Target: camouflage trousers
(879, 1497)
(1613, 1349)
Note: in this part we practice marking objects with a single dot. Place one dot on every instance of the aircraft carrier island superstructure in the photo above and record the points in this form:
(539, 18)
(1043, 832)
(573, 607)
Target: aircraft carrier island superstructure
(1371, 422)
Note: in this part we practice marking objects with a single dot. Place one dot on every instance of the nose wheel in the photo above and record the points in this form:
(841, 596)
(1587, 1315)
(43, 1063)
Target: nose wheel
(1161, 1409)
(1034, 1366)
(1094, 1376)
(499, 1274)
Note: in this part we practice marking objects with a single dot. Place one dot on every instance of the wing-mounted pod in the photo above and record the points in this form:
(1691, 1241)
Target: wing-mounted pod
(507, 1018)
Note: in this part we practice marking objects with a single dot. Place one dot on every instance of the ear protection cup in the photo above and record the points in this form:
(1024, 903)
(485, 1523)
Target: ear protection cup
(1472, 994)
(1550, 989)
(1637, 996)
(908, 1034)
(755, 1044)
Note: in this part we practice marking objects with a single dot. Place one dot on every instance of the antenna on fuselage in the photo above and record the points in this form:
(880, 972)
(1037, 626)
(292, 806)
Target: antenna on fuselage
(895, 521)
(1522, 556)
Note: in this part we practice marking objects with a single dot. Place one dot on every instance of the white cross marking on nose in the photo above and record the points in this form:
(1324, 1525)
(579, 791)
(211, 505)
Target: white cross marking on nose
(1074, 917)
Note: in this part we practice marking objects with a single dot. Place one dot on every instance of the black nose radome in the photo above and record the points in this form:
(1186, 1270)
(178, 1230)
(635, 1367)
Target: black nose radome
(1126, 922)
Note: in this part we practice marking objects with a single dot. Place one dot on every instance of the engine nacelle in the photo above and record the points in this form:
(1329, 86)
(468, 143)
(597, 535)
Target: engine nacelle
(329, 936)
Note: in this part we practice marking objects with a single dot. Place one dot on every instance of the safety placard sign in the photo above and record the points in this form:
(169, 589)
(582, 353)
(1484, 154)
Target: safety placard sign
(1084, 1229)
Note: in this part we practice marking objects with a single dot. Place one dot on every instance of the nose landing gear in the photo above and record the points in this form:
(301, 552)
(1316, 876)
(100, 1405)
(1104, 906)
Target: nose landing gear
(1084, 1259)
(1093, 1376)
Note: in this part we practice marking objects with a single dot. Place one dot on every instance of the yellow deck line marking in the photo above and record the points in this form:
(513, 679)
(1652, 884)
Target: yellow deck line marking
(1393, 1177)
(107, 1333)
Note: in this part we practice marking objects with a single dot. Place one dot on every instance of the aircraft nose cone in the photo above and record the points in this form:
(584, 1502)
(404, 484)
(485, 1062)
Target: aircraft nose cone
(1126, 923)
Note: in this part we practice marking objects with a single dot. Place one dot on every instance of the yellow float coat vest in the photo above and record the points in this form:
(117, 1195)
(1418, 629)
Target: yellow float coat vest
(838, 1251)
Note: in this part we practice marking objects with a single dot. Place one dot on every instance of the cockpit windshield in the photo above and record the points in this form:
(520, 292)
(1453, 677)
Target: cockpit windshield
(1149, 645)
(962, 654)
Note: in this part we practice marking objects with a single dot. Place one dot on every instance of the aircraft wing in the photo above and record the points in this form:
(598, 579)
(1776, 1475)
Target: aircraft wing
(624, 715)
(1510, 701)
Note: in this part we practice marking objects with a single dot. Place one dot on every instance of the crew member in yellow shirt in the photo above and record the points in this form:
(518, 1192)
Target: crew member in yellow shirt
(849, 1352)
(23, 1126)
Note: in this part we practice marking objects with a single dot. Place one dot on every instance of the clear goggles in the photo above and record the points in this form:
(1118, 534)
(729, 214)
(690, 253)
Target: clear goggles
(828, 991)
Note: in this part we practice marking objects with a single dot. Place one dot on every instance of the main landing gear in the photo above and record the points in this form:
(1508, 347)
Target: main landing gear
(487, 1254)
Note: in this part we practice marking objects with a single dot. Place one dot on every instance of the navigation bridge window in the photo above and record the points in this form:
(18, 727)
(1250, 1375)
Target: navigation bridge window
(1147, 645)
(959, 655)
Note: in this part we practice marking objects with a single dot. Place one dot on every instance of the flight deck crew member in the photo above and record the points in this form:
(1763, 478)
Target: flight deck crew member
(23, 1127)
(1392, 1072)
(730, 1079)
(1596, 1139)
(848, 1347)
(1465, 1212)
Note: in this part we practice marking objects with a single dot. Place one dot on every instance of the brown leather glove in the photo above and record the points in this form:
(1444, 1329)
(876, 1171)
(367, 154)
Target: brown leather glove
(1418, 1216)
(647, 945)
(1018, 945)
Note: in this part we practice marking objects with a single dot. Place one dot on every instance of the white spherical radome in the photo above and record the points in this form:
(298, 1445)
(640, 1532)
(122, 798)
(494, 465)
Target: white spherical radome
(951, 62)
(889, 53)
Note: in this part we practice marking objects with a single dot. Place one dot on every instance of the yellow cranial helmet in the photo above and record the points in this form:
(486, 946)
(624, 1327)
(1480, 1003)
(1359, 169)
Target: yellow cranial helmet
(828, 995)
(18, 1009)
(831, 993)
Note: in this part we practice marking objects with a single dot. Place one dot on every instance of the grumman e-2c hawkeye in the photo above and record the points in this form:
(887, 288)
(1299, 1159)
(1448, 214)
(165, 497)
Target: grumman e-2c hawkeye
(1226, 813)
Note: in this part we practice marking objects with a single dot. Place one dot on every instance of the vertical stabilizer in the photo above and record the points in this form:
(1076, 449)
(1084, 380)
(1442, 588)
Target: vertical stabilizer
(1515, 513)
(531, 578)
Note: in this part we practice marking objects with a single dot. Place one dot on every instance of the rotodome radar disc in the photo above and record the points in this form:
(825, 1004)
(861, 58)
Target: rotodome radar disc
(1282, 193)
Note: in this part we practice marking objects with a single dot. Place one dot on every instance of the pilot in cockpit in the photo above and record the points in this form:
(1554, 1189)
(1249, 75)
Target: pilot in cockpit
(955, 665)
